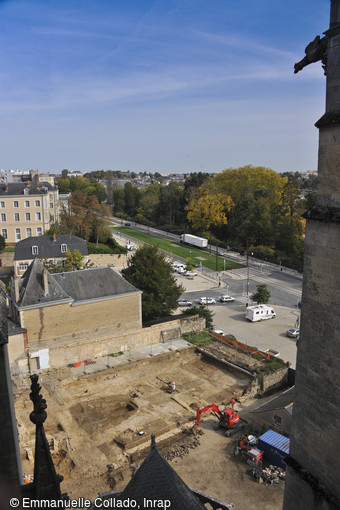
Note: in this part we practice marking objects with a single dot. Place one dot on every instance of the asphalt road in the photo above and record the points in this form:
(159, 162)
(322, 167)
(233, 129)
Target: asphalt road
(284, 285)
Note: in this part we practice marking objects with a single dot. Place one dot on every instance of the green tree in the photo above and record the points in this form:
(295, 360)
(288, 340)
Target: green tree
(150, 272)
(202, 311)
(118, 201)
(261, 295)
(169, 206)
(74, 260)
(2, 243)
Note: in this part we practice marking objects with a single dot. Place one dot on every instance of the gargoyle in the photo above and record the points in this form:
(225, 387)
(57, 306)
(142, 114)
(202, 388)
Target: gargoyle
(316, 50)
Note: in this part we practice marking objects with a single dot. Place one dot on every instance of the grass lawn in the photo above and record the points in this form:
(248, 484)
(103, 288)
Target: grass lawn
(181, 250)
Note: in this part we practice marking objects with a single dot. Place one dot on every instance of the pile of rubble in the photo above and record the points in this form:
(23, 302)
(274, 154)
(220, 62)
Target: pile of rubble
(269, 475)
(182, 448)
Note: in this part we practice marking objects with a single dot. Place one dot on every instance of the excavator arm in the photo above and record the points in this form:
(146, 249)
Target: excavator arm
(201, 410)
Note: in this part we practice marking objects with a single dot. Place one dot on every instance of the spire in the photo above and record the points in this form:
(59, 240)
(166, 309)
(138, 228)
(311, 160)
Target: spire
(46, 481)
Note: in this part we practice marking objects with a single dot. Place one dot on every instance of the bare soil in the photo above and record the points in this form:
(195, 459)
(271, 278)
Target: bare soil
(99, 426)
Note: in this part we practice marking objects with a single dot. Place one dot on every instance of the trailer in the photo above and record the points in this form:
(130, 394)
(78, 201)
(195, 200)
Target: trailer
(260, 313)
(199, 242)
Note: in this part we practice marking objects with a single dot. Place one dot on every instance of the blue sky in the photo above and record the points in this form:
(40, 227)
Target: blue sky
(163, 85)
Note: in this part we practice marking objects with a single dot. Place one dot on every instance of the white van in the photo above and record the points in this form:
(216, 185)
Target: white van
(259, 313)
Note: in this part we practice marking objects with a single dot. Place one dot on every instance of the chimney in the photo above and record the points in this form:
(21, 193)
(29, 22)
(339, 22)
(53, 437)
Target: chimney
(6, 186)
(45, 282)
(54, 237)
(16, 288)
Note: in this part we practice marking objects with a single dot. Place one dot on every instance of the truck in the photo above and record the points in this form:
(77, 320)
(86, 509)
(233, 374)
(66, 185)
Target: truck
(199, 242)
(259, 313)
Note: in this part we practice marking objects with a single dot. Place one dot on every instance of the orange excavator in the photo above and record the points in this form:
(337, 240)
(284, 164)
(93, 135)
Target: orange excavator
(228, 418)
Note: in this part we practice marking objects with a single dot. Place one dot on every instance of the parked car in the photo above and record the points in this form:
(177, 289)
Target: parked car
(189, 273)
(207, 301)
(130, 247)
(184, 302)
(293, 332)
(219, 332)
(226, 299)
(127, 224)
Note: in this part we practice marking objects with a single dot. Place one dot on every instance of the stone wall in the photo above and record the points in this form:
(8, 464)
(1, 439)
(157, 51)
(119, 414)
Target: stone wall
(316, 414)
(67, 349)
(88, 319)
(268, 382)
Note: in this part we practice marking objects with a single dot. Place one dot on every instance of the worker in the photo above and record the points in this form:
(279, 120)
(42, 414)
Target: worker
(232, 403)
(173, 386)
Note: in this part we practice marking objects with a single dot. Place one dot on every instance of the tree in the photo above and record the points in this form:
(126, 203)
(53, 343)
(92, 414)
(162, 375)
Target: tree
(208, 209)
(261, 295)
(2, 243)
(202, 311)
(150, 272)
(74, 260)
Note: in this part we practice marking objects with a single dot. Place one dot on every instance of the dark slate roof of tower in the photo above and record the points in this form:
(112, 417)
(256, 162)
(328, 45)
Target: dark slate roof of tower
(156, 480)
(94, 283)
(47, 247)
(31, 287)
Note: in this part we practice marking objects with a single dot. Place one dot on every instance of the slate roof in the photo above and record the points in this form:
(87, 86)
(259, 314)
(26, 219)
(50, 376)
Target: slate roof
(76, 286)
(283, 401)
(155, 479)
(94, 283)
(31, 287)
(47, 248)
(17, 188)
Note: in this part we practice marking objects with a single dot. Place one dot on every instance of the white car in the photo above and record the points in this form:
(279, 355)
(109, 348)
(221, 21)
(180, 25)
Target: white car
(130, 247)
(226, 299)
(207, 301)
(219, 332)
(184, 302)
(189, 273)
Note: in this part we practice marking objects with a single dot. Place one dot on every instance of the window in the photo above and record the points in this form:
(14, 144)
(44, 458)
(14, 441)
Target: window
(39, 231)
(17, 234)
(51, 197)
(23, 267)
(3, 217)
(37, 203)
(51, 205)
(277, 420)
(15, 203)
(35, 250)
(3, 205)
(51, 217)
(16, 216)
(63, 248)
(38, 216)
(28, 232)
(28, 216)
(4, 233)
(27, 203)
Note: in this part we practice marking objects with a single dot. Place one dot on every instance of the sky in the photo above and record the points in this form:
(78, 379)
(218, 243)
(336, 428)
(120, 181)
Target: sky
(159, 85)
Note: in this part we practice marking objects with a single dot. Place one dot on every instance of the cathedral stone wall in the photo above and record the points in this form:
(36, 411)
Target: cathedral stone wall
(316, 415)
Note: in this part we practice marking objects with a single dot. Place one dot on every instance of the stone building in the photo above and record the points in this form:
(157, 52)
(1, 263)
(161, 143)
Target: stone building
(313, 473)
(56, 319)
(27, 209)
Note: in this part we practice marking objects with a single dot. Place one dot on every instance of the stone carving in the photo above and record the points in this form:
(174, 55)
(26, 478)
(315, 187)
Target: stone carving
(315, 51)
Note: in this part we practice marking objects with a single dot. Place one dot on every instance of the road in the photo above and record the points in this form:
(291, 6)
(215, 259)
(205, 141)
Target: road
(284, 285)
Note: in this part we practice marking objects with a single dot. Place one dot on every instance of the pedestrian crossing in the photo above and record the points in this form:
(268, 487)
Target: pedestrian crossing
(264, 277)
